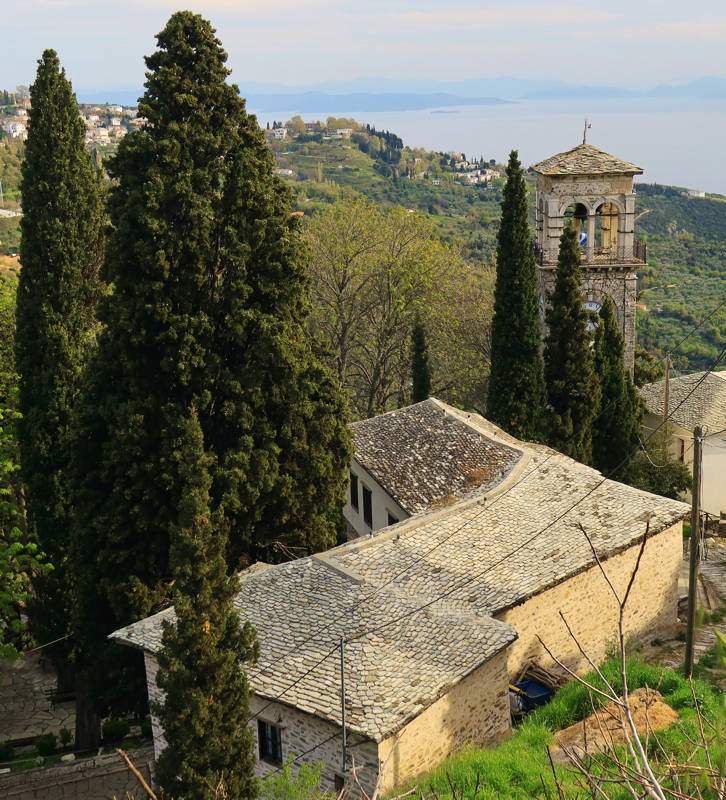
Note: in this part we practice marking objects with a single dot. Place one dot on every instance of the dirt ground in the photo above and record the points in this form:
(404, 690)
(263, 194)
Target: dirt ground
(601, 730)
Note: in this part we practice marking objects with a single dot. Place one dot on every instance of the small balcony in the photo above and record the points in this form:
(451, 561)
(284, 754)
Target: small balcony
(597, 256)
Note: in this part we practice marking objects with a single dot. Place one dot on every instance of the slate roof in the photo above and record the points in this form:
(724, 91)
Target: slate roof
(416, 600)
(424, 457)
(585, 159)
(705, 406)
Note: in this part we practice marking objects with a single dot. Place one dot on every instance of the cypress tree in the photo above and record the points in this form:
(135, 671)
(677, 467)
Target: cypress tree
(572, 387)
(206, 707)
(617, 424)
(516, 394)
(420, 365)
(209, 312)
(59, 286)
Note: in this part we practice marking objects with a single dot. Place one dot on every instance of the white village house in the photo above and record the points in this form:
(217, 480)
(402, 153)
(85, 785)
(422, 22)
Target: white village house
(441, 610)
(704, 406)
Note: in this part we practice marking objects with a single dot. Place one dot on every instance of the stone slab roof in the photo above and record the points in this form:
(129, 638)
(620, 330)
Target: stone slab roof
(424, 457)
(417, 600)
(705, 406)
(585, 159)
(391, 676)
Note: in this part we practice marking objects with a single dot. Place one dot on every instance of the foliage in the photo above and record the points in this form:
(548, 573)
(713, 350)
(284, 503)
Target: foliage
(616, 431)
(519, 767)
(284, 785)
(516, 394)
(209, 313)
(65, 736)
(114, 730)
(654, 469)
(573, 392)
(46, 744)
(61, 247)
(206, 706)
(647, 368)
(20, 557)
(374, 272)
(420, 365)
(6, 751)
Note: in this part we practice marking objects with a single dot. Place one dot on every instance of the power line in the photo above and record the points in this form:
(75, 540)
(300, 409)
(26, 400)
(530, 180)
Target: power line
(466, 581)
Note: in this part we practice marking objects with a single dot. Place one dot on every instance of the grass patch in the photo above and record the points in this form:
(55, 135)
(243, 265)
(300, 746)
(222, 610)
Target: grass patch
(519, 767)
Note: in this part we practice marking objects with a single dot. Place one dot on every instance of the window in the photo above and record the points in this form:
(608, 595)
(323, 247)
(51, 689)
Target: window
(354, 491)
(391, 519)
(339, 782)
(270, 742)
(368, 507)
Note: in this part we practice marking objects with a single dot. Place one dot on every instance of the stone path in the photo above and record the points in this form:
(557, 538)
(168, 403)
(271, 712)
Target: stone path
(25, 709)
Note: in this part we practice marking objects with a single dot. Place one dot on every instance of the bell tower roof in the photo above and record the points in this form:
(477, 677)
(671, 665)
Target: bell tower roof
(585, 159)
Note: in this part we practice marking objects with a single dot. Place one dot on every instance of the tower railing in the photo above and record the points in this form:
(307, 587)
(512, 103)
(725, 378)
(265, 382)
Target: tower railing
(597, 255)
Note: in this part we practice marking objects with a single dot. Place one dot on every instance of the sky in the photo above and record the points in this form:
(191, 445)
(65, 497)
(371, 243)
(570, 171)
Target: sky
(629, 43)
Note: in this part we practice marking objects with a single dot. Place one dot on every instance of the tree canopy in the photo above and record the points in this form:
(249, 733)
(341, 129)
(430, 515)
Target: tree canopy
(61, 253)
(573, 392)
(516, 393)
(209, 313)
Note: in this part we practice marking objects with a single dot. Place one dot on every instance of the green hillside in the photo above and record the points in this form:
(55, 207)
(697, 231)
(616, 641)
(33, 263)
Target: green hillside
(684, 281)
(685, 278)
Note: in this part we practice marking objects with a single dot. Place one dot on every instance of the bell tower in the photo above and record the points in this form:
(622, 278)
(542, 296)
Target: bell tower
(592, 190)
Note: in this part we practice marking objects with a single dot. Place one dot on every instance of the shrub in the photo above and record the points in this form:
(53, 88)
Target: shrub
(283, 785)
(66, 737)
(46, 744)
(114, 730)
(6, 751)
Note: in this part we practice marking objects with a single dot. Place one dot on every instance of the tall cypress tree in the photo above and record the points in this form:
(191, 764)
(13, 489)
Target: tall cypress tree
(59, 286)
(206, 707)
(209, 312)
(572, 387)
(617, 425)
(516, 395)
(420, 364)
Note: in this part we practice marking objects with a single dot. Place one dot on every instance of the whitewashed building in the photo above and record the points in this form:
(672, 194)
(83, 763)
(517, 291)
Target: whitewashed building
(695, 399)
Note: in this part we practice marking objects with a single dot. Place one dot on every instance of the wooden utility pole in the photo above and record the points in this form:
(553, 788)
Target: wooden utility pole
(666, 395)
(694, 547)
(342, 702)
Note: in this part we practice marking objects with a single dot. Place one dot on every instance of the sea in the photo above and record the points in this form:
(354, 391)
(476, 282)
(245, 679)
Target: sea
(676, 141)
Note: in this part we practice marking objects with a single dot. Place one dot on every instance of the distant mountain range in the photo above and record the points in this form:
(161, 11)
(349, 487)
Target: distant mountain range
(383, 94)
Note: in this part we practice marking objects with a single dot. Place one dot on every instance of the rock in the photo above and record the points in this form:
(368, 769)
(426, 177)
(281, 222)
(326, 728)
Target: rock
(710, 541)
(68, 757)
(39, 760)
(4, 770)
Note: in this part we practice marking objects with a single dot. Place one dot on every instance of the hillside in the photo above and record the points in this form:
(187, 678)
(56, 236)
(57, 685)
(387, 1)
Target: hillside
(684, 281)
(685, 278)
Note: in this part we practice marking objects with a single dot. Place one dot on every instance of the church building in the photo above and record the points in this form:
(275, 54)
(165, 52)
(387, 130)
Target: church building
(594, 191)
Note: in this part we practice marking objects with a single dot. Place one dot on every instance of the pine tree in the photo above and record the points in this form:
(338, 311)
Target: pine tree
(420, 365)
(572, 387)
(516, 395)
(209, 312)
(617, 424)
(59, 286)
(206, 706)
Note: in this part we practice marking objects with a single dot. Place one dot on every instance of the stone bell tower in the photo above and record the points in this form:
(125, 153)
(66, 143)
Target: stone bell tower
(592, 190)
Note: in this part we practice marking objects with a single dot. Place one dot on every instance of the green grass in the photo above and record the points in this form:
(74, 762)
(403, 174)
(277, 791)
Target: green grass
(519, 767)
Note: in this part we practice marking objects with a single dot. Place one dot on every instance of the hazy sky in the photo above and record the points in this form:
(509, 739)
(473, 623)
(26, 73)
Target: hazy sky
(620, 42)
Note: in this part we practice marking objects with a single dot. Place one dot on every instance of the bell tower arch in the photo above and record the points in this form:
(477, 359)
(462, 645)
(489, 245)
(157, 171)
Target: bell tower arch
(592, 190)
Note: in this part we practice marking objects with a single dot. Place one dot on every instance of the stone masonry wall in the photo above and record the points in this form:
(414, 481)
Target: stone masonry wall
(99, 778)
(26, 710)
(591, 610)
(620, 283)
(300, 733)
(475, 711)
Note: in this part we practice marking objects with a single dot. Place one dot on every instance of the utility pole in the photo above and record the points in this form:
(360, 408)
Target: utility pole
(666, 395)
(694, 548)
(342, 701)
